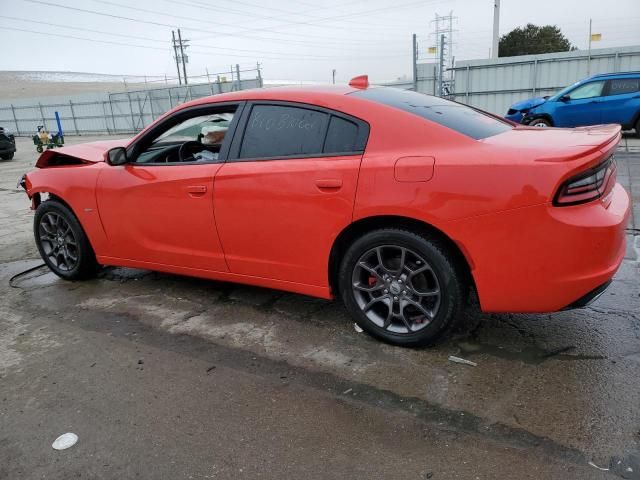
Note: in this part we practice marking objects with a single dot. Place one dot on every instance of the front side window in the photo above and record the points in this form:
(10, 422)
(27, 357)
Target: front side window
(283, 131)
(623, 86)
(455, 116)
(588, 90)
(198, 138)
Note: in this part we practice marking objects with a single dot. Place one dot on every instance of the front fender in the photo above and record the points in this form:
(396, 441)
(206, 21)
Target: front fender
(75, 186)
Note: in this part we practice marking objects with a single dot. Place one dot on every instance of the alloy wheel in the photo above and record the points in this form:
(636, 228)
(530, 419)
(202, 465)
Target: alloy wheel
(58, 242)
(396, 289)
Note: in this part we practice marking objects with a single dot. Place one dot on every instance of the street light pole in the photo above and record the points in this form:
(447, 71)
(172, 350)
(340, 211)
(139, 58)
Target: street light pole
(589, 51)
(496, 29)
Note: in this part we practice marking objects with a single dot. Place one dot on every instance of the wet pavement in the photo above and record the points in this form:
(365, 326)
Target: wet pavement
(171, 377)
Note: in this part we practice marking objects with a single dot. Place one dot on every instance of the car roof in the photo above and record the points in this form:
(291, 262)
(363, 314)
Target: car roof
(304, 94)
(614, 75)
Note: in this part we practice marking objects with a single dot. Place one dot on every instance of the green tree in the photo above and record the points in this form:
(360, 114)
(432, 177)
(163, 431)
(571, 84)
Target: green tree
(533, 39)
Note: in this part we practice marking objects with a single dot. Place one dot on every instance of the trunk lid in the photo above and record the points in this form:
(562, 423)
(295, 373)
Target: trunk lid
(558, 144)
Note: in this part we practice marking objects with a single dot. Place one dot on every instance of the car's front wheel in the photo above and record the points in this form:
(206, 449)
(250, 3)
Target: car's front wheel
(62, 243)
(540, 122)
(401, 287)
(7, 156)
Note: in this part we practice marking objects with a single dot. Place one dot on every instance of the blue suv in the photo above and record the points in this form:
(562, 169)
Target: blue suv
(604, 98)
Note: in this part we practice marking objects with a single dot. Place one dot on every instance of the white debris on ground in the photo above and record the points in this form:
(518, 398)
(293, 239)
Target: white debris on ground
(65, 441)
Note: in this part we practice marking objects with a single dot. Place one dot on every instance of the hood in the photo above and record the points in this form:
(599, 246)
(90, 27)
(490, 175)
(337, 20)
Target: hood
(91, 151)
(529, 103)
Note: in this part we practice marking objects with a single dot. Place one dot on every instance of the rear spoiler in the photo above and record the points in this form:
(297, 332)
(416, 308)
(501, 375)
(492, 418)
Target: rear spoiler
(611, 137)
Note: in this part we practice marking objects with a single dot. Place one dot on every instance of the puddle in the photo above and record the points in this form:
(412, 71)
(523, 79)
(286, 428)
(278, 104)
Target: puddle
(532, 355)
(122, 274)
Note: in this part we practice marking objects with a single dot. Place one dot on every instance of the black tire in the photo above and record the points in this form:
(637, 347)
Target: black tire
(638, 128)
(39, 149)
(56, 229)
(7, 156)
(449, 279)
(540, 122)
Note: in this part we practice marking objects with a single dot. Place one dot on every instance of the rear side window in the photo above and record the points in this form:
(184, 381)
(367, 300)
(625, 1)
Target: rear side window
(281, 131)
(458, 117)
(624, 85)
(342, 136)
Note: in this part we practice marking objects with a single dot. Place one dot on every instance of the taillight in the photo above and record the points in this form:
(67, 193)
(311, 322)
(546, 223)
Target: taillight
(588, 185)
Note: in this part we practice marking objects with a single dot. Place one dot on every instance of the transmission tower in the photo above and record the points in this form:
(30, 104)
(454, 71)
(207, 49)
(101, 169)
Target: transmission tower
(443, 40)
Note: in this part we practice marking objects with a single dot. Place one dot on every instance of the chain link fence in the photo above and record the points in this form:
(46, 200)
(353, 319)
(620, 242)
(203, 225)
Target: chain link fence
(118, 113)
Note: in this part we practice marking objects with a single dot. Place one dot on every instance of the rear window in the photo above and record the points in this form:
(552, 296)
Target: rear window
(281, 131)
(458, 117)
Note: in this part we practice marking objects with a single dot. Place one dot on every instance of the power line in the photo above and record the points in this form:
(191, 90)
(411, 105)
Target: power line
(368, 12)
(150, 22)
(227, 49)
(107, 42)
(84, 38)
(102, 32)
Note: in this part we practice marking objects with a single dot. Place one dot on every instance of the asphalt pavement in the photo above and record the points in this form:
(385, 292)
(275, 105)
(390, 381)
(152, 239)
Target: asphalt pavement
(168, 377)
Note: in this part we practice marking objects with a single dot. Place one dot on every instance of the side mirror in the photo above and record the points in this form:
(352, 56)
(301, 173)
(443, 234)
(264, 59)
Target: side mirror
(117, 156)
(565, 98)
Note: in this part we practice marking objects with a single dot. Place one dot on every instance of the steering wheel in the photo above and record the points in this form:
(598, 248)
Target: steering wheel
(184, 149)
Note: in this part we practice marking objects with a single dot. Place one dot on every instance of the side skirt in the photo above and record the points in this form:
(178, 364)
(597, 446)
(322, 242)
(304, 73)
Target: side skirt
(311, 290)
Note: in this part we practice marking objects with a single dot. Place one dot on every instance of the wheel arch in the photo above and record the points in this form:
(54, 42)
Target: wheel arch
(364, 225)
(37, 195)
(636, 119)
(545, 116)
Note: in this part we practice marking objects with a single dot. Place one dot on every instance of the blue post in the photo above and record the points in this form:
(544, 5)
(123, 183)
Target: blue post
(59, 125)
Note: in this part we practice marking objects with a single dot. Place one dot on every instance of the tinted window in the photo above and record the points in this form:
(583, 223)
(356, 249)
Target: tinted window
(455, 116)
(279, 131)
(342, 136)
(624, 85)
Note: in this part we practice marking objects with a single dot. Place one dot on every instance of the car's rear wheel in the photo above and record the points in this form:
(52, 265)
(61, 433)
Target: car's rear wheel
(638, 128)
(7, 156)
(401, 287)
(540, 122)
(62, 243)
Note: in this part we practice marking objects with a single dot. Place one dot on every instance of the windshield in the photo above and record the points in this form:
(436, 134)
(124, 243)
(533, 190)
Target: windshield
(456, 116)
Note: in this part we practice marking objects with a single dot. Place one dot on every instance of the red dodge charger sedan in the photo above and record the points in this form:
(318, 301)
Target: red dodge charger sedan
(399, 203)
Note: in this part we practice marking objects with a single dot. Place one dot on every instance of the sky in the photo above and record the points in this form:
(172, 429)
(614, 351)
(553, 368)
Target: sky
(291, 39)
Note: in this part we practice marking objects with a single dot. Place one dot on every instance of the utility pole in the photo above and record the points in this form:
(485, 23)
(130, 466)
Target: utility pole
(333, 75)
(415, 63)
(589, 52)
(176, 56)
(496, 28)
(182, 56)
(260, 83)
(441, 67)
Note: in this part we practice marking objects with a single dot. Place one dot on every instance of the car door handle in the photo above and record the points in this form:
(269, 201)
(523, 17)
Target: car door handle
(329, 183)
(196, 190)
